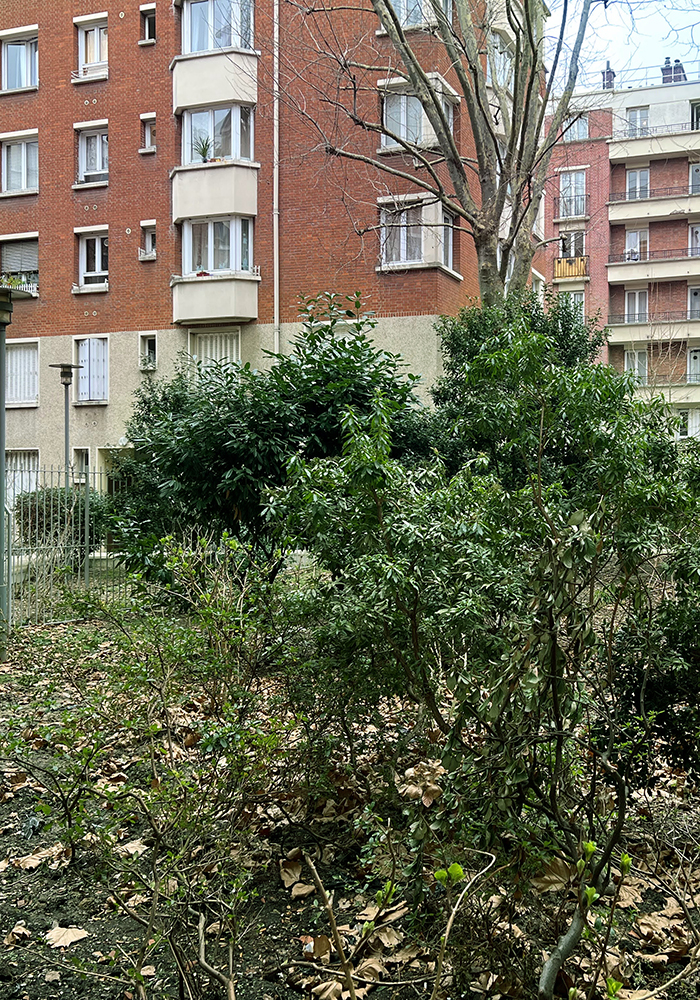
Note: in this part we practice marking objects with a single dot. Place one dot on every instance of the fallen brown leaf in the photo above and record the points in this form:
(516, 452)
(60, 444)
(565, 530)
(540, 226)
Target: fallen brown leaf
(290, 872)
(62, 937)
(301, 891)
(557, 875)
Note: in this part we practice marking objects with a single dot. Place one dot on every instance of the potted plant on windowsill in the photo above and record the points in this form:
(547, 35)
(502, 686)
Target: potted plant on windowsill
(202, 147)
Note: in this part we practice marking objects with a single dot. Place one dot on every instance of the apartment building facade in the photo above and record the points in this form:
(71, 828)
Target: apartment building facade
(160, 198)
(624, 199)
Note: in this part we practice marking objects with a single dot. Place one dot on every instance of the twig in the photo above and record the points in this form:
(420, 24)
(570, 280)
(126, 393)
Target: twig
(225, 981)
(345, 965)
(330, 971)
(443, 946)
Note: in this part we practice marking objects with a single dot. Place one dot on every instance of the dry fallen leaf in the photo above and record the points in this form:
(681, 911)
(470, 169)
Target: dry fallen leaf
(52, 976)
(135, 848)
(290, 872)
(62, 937)
(301, 891)
(17, 935)
(557, 875)
(34, 859)
(148, 970)
(322, 946)
(389, 936)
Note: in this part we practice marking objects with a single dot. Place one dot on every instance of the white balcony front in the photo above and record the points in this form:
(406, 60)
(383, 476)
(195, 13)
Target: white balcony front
(668, 141)
(202, 190)
(674, 267)
(655, 208)
(671, 326)
(204, 79)
(229, 297)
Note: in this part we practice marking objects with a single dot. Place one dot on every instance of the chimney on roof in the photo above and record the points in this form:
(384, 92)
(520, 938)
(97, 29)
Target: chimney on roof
(608, 77)
(667, 71)
(678, 72)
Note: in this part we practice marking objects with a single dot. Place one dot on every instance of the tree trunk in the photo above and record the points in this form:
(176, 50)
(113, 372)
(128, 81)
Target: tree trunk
(490, 283)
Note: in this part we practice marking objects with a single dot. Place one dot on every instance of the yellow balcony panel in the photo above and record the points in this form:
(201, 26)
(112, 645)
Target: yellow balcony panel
(202, 190)
(230, 297)
(568, 268)
(203, 79)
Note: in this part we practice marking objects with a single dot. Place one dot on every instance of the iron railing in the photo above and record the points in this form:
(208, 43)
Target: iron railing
(635, 256)
(571, 206)
(642, 194)
(628, 131)
(677, 316)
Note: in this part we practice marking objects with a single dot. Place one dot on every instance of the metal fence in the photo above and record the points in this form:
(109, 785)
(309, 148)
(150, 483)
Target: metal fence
(59, 545)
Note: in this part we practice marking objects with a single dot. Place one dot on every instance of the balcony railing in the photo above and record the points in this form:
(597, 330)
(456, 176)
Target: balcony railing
(628, 131)
(571, 267)
(571, 206)
(677, 316)
(642, 194)
(635, 256)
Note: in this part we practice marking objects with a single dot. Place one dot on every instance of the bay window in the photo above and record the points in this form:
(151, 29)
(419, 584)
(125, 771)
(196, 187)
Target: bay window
(218, 133)
(20, 166)
(215, 245)
(402, 235)
(217, 24)
(20, 63)
(403, 116)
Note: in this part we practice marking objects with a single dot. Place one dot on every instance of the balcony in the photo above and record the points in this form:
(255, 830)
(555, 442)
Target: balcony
(212, 77)
(571, 268)
(571, 206)
(218, 188)
(654, 265)
(654, 141)
(213, 298)
(676, 325)
(653, 203)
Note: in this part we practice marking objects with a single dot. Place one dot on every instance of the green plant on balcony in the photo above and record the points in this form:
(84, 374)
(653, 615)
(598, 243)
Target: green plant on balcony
(202, 147)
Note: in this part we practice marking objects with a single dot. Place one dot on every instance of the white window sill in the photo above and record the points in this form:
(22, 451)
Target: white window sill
(145, 150)
(182, 279)
(89, 289)
(423, 26)
(90, 402)
(563, 219)
(213, 52)
(19, 194)
(147, 256)
(89, 77)
(418, 265)
(143, 42)
(19, 90)
(89, 184)
(22, 406)
(230, 162)
(150, 367)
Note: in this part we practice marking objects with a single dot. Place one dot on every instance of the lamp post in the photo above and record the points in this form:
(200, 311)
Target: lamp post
(66, 372)
(5, 320)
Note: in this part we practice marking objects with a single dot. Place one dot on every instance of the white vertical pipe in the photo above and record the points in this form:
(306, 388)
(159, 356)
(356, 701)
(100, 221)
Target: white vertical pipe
(276, 177)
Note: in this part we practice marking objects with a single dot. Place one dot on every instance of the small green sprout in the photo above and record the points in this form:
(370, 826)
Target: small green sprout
(625, 864)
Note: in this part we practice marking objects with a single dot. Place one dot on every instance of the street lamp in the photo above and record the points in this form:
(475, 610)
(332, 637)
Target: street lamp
(66, 373)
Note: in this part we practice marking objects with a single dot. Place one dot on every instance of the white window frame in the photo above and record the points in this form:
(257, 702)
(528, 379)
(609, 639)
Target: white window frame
(100, 273)
(93, 67)
(148, 22)
(637, 122)
(28, 276)
(148, 351)
(638, 300)
(694, 240)
(636, 244)
(637, 182)
(572, 194)
(401, 108)
(240, 22)
(400, 221)
(22, 387)
(22, 471)
(500, 54)
(238, 113)
(101, 174)
(575, 128)
(637, 361)
(147, 250)
(448, 228)
(92, 380)
(30, 42)
(240, 232)
(573, 243)
(693, 365)
(226, 344)
(24, 143)
(693, 313)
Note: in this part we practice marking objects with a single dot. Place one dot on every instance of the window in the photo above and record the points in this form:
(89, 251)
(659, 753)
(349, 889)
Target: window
(575, 128)
(216, 24)
(20, 63)
(148, 132)
(94, 259)
(694, 179)
(81, 464)
(22, 374)
(219, 134)
(636, 362)
(694, 366)
(147, 352)
(573, 243)
(572, 188)
(22, 472)
(637, 184)
(695, 116)
(499, 61)
(217, 245)
(148, 23)
(92, 353)
(636, 305)
(219, 347)
(683, 424)
(402, 235)
(92, 48)
(409, 12)
(637, 122)
(694, 303)
(694, 241)
(448, 224)
(577, 300)
(20, 166)
(147, 250)
(19, 259)
(403, 117)
(93, 156)
(637, 244)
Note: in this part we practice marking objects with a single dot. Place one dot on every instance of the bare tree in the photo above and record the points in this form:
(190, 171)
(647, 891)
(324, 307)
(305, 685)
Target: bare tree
(484, 57)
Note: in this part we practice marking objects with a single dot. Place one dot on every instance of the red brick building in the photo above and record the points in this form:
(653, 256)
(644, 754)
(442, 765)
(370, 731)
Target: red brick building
(624, 197)
(165, 190)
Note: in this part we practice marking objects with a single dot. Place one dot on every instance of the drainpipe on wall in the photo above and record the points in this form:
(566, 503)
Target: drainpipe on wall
(276, 178)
